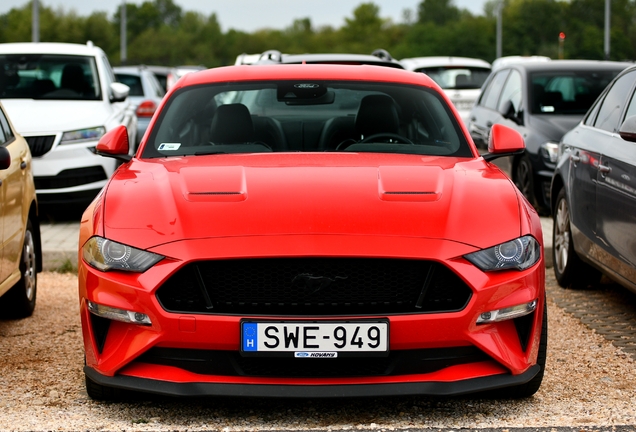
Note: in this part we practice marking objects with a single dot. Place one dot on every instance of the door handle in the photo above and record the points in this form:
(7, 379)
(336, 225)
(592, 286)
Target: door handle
(604, 169)
(23, 165)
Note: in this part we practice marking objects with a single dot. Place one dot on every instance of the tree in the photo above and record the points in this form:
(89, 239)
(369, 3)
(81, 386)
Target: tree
(440, 12)
(364, 32)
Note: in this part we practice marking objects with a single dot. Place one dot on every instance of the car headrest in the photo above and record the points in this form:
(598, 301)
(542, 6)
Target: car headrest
(462, 80)
(377, 114)
(73, 77)
(231, 124)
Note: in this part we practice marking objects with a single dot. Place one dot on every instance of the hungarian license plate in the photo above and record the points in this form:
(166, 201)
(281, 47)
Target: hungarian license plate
(315, 339)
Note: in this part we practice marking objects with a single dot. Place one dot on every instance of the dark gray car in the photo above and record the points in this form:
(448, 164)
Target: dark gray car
(594, 192)
(542, 101)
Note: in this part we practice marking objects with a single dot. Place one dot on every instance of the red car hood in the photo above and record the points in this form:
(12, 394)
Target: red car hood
(153, 202)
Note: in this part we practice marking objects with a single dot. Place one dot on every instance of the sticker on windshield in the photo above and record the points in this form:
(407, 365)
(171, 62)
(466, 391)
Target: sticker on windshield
(169, 146)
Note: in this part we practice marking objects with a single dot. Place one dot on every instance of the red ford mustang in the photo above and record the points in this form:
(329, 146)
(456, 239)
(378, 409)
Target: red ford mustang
(311, 231)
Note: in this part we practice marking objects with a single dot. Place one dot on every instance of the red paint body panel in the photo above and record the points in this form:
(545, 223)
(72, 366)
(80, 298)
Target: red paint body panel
(290, 204)
(290, 194)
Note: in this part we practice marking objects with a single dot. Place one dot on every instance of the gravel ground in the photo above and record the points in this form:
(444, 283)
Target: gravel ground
(588, 383)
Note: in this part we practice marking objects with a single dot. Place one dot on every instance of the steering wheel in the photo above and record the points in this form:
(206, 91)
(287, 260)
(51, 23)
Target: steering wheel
(399, 138)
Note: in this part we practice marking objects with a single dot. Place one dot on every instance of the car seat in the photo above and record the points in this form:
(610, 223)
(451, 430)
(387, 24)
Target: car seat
(73, 79)
(377, 114)
(232, 124)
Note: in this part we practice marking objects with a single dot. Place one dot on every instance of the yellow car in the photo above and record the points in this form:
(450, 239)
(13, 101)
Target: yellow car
(20, 246)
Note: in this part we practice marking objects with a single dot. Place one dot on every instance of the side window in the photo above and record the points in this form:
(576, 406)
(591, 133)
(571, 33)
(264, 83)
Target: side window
(609, 113)
(486, 89)
(494, 89)
(3, 138)
(591, 115)
(5, 131)
(511, 92)
(110, 75)
(631, 108)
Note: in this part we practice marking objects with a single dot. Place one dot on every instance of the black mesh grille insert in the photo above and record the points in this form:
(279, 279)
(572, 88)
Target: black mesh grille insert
(314, 286)
(71, 177)
(40, 145)
(230, 363)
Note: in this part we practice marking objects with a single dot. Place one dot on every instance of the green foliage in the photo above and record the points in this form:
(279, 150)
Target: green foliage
(160, 32)
(440, 12)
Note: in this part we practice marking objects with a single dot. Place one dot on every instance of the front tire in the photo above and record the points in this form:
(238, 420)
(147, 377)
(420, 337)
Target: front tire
(19, 301)
(570, 271)
(524, 179)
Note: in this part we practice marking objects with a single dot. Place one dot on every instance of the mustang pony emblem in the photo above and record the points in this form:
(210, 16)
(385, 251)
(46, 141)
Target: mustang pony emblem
(315, 283)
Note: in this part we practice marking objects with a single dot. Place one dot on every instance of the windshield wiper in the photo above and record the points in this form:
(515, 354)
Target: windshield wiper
(210, 152)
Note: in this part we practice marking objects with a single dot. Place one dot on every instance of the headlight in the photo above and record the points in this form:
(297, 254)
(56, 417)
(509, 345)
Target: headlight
(105, 255)
(550, 151)
(518, 254)
(78, 136)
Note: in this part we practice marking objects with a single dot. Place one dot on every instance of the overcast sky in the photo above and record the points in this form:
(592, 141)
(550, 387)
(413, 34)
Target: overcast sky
(250, 15)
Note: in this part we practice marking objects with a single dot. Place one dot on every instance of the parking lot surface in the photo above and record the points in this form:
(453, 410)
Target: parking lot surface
(589, 385)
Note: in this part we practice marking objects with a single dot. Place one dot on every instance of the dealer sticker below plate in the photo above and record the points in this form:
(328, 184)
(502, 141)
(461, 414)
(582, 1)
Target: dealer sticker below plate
(315, 339)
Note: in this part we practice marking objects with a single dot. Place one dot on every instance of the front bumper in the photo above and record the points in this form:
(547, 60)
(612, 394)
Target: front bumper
(118, 354)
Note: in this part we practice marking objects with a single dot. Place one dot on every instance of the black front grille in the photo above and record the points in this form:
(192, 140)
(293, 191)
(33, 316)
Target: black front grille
(71, 177)
(40, 145)
(314, 286)
(230, 363)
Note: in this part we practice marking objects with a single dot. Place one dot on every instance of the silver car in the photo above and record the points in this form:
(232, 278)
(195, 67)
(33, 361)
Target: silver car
(145, 94)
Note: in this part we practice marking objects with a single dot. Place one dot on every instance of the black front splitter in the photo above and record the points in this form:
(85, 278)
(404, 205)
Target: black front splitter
(198, 389)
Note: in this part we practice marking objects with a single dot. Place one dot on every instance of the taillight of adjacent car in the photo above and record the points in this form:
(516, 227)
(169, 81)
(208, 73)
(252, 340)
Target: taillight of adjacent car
(146, 109)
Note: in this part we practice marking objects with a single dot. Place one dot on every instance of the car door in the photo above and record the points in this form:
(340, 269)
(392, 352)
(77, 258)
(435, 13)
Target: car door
(485, 113)
(13, 182)
(585, 149)
(616, 191)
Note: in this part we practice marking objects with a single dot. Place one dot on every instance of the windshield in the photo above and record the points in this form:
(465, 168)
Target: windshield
(132, 81)
(306, 116)
(48, 76)
(567, 92)
(457, 77)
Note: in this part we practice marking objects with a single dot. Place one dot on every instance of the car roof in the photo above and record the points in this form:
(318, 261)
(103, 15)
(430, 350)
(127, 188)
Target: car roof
(379, 57)
(508, 60)
(49, 48)
(137, 70)
(559, 65)
(433, 61)
(314, 72)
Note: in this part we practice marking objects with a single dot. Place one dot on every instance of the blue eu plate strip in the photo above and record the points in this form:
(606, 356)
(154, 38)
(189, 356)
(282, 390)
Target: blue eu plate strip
(250, 337)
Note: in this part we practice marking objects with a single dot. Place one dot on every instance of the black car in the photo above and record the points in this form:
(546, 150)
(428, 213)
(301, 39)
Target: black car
(542, 101)
(594, 192)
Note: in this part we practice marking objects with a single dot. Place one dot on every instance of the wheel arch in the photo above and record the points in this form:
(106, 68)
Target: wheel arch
(555, 187)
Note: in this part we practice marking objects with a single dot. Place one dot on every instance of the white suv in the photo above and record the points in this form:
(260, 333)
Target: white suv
(461, 78)
(62, 98)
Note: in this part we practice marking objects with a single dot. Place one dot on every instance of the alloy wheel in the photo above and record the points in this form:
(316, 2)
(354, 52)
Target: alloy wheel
(561, 235)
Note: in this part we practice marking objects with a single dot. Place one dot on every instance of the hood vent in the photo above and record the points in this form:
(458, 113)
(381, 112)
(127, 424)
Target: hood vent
(218, 184)
(410, 183)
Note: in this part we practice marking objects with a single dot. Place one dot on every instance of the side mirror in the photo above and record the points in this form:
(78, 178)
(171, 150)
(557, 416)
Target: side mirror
(504, 141)
(628, 129)
(114, 144)
(5, 158)
(118, 92)
(510, 113)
